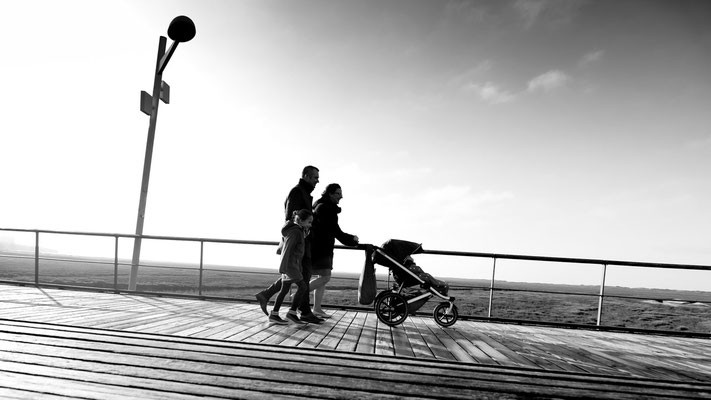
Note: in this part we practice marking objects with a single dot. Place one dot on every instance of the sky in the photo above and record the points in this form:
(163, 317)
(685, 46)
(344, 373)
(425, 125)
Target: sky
(545, 127)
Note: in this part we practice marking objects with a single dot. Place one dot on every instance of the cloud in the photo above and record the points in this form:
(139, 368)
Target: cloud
(549, 13)
(548, 81)
(484, 66)
(472, 74)
(529, 11)
(469, 10)
(591, 57)
(491, 93)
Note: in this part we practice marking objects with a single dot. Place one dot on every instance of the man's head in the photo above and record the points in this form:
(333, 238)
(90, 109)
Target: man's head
(310, 175)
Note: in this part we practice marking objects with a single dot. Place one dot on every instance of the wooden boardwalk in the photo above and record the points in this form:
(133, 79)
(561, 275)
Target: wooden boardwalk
(62, 343)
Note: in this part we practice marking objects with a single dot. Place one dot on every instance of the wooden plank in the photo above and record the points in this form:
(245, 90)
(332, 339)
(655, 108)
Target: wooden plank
(233, 386)
(122, 341)
(350, 339)
(336, 334)
(658, 367)
(133, 320)
(473, 353)
(318, 334)
(438, 349)
(201, 325)
(499, 351)
(192, 379)
(366, 342)
(279, 334)
(297, 334)
(401, 343)
(224, 375)
(699, 371)
(452, 346)
(571, 350)
(559, 359)
(23, 394)
(75, 337)
(91, 317)
(267, 331)
(419, 346)
(216, 329)
(620, 364)
(40, 313)
(620, 354)
(184, 325)
(383, 339)
(80, 389)
(619, 348)
(88, 384)
(165, 324)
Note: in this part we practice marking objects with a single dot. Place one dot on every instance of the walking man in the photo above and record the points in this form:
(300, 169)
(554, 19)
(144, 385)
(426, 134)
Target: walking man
(299, 198)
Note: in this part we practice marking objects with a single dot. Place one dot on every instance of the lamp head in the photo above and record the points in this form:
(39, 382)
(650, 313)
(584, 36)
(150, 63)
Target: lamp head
(181, 29)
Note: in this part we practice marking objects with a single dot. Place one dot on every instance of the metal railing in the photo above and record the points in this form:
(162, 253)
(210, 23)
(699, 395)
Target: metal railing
(492, 287)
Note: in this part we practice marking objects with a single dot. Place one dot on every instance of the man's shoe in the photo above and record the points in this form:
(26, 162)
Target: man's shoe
(311, 318)
(276, 319)
(294, 319)
(262, 302)
(322, 315)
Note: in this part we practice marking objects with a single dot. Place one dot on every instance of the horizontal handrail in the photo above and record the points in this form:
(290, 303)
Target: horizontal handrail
(570, 260)
(491, 288)
(132, 236)
(499, 256)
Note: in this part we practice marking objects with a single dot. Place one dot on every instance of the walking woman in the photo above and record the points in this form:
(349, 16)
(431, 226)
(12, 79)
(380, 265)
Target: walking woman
(324, 234)
(293, 247)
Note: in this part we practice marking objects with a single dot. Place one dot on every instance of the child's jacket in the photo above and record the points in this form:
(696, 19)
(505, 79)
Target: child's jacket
(293, 246)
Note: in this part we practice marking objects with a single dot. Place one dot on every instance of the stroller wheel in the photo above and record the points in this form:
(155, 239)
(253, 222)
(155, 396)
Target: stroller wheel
(391, 309)
(381, 294)
(442, 317)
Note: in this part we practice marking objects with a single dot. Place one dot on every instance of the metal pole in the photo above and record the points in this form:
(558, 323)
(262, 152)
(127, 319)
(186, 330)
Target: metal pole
(116, 263)
(491, 287)
(202, 243)
(37, 258)
(602, 294)
(147, 166)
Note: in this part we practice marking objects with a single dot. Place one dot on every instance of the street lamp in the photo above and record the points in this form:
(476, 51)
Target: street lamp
(181, 29)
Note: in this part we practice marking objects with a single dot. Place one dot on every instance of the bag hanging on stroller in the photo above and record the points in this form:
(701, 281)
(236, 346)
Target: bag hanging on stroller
(367, 285)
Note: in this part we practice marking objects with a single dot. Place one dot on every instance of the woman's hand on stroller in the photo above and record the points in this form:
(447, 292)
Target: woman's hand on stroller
(365, 246)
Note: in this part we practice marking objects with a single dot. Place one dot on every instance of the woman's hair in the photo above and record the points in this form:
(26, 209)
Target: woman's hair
(331, 189)
(302, 214)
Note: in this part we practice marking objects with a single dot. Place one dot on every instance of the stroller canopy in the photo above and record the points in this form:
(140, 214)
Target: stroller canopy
(399, 250)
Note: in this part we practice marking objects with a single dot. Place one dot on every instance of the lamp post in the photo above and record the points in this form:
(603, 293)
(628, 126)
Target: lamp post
(181, 29)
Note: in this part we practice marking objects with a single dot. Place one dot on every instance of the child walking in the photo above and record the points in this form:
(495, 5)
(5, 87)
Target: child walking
(293, 248)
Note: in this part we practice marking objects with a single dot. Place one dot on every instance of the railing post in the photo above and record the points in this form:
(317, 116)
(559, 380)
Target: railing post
(602, 294)
(36, 257)
(116, 263)
(202, 245)
(491, 287)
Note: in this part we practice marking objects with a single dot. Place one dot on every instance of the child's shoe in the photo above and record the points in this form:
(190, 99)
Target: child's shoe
(276, 319)
(294, 319)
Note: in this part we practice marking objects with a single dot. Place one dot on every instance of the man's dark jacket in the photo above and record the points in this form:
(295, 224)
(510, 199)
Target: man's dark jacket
(299, 198)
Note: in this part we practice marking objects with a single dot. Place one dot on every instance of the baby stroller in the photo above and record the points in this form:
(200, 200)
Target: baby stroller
(405, 297)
